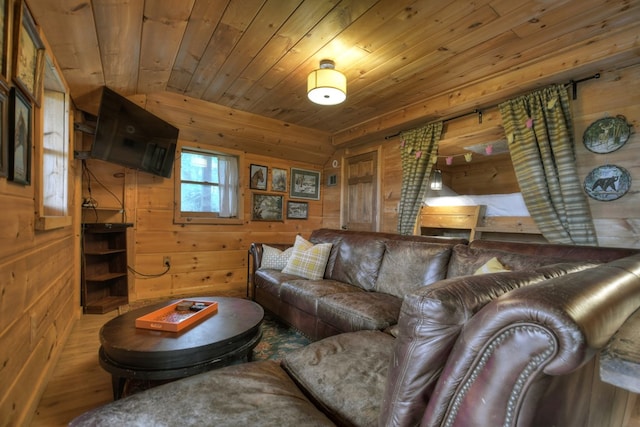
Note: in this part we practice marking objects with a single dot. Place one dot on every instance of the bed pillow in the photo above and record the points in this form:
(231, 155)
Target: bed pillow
(491, 266)
(308, 260)
(274, 258)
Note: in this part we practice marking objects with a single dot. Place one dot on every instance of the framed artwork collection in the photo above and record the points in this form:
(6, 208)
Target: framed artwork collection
(17, 99)
(297, 210)
(305, 184)
(258, 176)
(279, 180)
(28, 55)
(606, 135)
(266, 207)
(4, 132)
(20, 138)
(301, 183)
(4, 37)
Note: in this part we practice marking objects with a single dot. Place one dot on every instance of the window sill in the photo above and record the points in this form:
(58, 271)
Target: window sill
(212, 221)
(45, 223)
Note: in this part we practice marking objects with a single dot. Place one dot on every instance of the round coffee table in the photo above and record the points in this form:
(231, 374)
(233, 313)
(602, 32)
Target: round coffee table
(223, 338)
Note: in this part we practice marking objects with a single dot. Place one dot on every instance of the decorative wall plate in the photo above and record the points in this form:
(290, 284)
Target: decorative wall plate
(608, 182)
(606, 135)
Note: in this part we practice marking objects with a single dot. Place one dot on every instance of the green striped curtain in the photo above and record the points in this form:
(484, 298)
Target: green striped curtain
(418, 149)
(540, 136)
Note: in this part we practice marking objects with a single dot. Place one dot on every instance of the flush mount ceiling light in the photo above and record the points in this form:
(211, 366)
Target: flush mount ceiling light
(326, 85)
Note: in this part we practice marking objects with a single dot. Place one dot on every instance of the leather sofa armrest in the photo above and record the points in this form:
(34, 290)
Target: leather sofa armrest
(508, 352)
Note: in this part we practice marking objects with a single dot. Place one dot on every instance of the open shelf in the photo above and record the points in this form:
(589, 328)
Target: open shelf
(104, 268)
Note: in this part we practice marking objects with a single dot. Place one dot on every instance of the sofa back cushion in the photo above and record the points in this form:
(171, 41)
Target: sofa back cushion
(466, 260)
(407, 265)
(429, 324)
(355, 257)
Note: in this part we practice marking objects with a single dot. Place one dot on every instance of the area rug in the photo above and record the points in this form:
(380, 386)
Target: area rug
(277, 340)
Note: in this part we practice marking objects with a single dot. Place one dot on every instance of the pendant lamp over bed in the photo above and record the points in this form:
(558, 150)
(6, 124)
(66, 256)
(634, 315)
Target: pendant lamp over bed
(436, 180)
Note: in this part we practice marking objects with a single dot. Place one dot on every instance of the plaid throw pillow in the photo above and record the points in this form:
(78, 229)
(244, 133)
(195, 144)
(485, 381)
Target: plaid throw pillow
(308, 260)
(274, 258)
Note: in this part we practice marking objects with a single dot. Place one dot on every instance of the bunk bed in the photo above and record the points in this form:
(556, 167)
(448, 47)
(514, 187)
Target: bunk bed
(496, 217)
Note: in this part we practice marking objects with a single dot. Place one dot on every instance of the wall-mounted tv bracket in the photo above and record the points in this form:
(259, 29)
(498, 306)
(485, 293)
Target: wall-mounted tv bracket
(89, 130)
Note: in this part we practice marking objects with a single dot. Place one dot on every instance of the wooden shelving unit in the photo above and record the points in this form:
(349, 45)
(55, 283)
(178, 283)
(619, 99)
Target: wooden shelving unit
(104, 268)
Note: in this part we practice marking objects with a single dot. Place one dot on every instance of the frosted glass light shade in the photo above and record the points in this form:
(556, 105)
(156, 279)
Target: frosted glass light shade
(327, 86)
(436, 180)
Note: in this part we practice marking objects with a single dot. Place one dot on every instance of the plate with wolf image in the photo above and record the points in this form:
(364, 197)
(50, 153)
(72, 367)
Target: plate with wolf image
(608, 182)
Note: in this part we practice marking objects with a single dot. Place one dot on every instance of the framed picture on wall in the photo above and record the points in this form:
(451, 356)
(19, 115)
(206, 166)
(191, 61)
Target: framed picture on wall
(28, 56)
(297, 210)
(258, 175)
(305, 184)
(20, 138)
(4, 39)
(278, 180)
(266, 207)
(4, 132)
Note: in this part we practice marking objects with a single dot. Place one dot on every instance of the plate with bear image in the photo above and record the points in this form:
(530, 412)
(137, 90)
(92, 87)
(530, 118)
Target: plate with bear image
(608, 182)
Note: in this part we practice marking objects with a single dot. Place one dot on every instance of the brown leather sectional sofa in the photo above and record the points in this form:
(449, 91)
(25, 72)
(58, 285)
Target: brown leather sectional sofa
(517, 348)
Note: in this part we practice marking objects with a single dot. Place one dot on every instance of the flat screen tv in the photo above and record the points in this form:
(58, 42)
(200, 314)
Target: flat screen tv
(128, 135)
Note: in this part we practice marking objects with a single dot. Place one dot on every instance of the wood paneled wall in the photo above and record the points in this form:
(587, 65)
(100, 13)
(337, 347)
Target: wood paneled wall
(205, 259)
(39, 276)
(616, 92)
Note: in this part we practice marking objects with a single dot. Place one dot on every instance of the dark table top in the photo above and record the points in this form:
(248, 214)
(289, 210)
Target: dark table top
(235, 324)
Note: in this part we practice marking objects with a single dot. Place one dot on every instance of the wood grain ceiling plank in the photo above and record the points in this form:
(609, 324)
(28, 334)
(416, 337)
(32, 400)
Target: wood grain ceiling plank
(384, 25)
(162, 21)
(461, 32)
(513, 53)
(271, 18)
(235, 21)
(119, 27)
(494, 56)
(240, 94)
(292, 69)
(479, 60)
(416, 50)
(204, 19)
(597, 53)
(72, 36)
(565, 13)
(365, 33)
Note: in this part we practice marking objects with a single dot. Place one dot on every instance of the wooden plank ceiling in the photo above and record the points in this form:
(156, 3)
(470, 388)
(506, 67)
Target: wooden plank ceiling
(405, 61)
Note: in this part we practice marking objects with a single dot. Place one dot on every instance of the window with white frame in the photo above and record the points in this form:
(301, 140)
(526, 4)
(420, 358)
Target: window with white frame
(53, 183)
(208, 187)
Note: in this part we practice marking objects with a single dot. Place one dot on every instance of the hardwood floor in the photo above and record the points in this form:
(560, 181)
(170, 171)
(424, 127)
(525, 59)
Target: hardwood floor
(78, 383)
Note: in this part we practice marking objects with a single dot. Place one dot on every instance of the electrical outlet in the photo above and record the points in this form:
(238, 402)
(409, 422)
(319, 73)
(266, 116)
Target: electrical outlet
(166, 261)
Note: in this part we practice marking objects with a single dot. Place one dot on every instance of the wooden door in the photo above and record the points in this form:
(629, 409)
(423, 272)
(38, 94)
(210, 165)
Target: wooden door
(361, 193)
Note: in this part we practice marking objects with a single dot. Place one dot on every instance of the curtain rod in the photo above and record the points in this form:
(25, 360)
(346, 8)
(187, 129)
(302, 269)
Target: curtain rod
(574, 90)
(476, 111)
